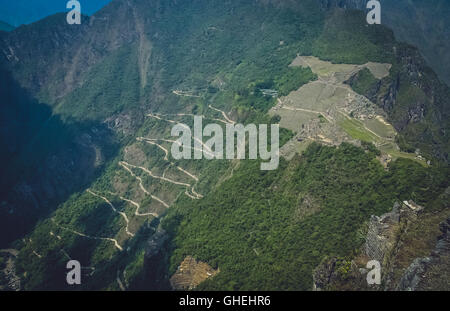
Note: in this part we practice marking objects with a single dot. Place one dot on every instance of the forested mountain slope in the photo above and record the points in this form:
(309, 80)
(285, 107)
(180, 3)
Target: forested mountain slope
(424, 24)
(94, 159)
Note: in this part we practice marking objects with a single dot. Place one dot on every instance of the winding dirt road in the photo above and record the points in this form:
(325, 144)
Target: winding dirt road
(116, 244)
(127, 221)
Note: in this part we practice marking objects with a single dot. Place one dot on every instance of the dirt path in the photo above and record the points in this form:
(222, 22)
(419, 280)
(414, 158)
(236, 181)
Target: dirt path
(57, 236)
(282, 106)
(142, 186)
(176, 142)
(119, 282)
(208, 150)
(155, 176)
(33, 250)
(186, 172)
(115, 210)
(223, 114)
(116, 244)
(184, 93)
(138, 206)
(166, 157)
(147, 140)
(196, 195)
(192, 115)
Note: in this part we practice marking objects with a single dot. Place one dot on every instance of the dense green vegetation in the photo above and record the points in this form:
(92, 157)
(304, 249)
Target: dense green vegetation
(357, 131)
(264, 230)
(110, 86)
(272, 235)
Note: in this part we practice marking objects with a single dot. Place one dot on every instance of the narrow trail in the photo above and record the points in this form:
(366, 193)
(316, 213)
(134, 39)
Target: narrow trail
(225, 116)
(119, 282)
(282, 106)
(186, 172)
(33, 250)
(155, 176)
(142, 186)
(115, 211)
(138, 206)
(184, 93)
(92, 269)
(196, 195)
(175, 142)
(142, 139)
(192, 115)
(147, 140)
(57, 236)
(116, 244)
(208, 150)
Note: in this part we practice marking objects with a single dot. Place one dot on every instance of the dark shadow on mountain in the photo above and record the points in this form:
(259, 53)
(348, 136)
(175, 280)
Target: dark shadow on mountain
(43, 160)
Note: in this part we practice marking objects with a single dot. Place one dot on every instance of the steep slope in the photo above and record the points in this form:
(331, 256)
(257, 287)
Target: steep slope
(43, 159)
(423, 24)
(25, 12)
(139, 66)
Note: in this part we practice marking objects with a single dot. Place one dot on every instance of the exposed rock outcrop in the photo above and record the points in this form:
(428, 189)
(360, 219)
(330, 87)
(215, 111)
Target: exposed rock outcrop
(381, 234)
(382, 244)
(324, 274)
(156, 261)
(415, 277)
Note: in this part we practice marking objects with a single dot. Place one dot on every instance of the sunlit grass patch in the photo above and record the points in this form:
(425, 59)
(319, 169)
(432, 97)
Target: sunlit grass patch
(356, 130)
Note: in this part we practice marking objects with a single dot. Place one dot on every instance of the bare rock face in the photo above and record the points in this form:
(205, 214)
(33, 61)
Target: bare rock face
(155, 243)
(380, 236)
(156, 261)
(382, 244)
(420, 273)
(324, 274)
(384, 235)
(8, 278)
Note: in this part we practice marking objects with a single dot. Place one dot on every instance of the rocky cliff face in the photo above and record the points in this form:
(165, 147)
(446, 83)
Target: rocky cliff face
(155, 260)
(74, 48)
(380, 237)
(385, 243)
(423, 24)
(42, 159)
(416, 103)
(432, 272)
(414, 97)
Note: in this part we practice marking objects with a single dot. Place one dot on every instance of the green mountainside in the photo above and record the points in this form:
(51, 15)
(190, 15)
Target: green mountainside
(424, 24)
(91, 177)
